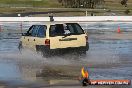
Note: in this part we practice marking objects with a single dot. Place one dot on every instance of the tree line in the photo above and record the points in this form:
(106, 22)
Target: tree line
(85, 3)
(81, 3)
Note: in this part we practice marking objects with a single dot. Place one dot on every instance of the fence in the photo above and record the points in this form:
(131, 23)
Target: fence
(70, 19)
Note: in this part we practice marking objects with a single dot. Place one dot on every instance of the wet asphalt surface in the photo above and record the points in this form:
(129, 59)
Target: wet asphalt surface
(107, 58)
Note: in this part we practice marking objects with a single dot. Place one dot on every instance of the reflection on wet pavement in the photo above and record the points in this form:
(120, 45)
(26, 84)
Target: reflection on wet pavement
(9, 71)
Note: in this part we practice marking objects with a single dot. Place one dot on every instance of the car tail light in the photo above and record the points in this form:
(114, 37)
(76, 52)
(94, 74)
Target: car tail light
(86, 38)
(47, 42)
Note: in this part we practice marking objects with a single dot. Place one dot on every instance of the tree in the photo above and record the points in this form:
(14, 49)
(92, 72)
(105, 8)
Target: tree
(124, 2)
(127, 11)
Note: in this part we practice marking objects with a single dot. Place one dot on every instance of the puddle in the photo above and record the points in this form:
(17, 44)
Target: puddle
(111, 73)
(9, 71)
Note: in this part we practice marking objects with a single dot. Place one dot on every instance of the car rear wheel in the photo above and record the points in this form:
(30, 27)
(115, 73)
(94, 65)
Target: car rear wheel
(42, 51)
(82, 52)
(45, 53)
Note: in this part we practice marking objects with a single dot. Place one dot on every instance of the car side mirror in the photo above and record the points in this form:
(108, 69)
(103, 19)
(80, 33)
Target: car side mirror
(26, 34)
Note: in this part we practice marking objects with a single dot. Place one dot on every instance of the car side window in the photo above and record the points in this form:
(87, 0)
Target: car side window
(57, 30)
(37, 31)
(52, 30)
(34, 31)
(42, 31)
(29, 31)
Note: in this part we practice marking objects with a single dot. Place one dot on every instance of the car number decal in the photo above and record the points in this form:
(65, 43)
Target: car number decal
(68, 39)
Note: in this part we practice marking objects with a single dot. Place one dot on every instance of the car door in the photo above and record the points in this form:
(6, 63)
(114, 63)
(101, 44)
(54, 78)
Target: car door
(40, 36)
(54, 37)
(31, 39)
(26, 37)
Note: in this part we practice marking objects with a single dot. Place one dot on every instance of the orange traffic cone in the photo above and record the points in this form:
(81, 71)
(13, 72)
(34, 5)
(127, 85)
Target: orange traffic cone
(118, 30)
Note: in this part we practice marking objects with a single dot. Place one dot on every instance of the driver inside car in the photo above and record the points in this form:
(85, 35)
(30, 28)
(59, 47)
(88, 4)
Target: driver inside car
(66, 30)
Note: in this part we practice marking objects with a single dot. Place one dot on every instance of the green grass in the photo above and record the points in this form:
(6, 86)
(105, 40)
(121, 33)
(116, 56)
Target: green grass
(30, 3)
(110, 5)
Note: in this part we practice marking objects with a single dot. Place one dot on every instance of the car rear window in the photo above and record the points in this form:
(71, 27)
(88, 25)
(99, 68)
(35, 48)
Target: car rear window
(75, 28)
(63, 29)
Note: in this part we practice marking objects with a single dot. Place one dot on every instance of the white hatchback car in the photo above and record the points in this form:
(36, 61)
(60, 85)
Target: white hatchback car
(52, 37)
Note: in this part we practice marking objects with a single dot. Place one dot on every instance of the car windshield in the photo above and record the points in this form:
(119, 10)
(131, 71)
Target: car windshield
(64, 29)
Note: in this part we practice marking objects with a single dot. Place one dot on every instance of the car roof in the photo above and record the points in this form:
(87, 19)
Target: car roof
(53, 23)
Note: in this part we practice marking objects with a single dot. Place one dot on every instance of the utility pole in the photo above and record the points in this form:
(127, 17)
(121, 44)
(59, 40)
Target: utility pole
(21, 26)
(0, 29)
(19, 15)
(86, 12)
